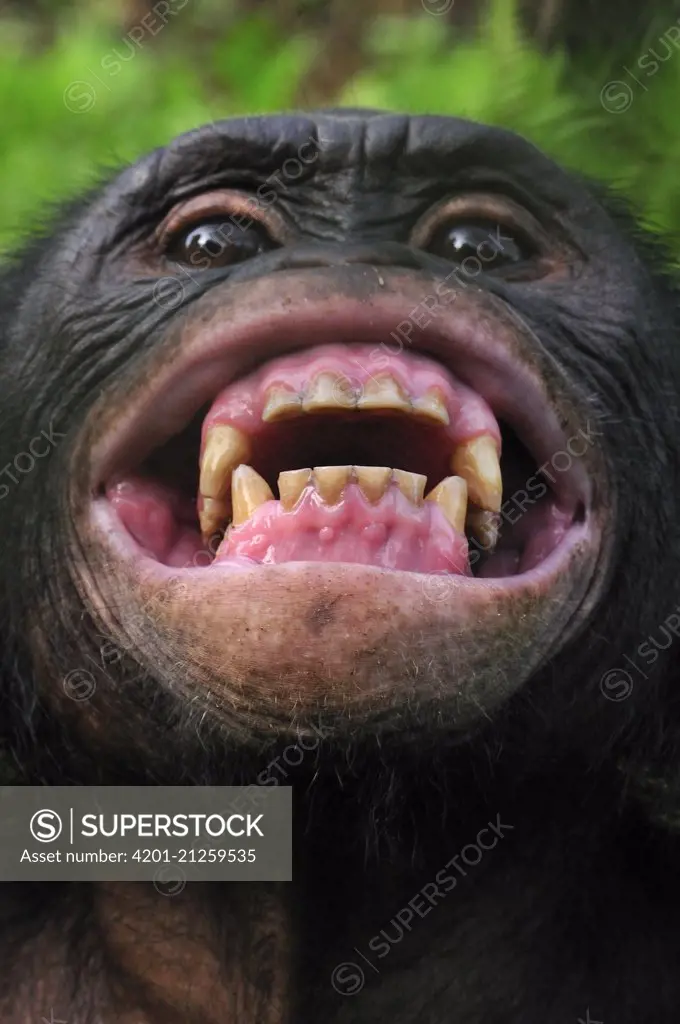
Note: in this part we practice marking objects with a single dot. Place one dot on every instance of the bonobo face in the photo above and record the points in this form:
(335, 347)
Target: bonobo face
(338, 394)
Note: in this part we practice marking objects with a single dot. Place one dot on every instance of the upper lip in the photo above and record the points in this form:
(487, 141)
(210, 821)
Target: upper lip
(490, 356)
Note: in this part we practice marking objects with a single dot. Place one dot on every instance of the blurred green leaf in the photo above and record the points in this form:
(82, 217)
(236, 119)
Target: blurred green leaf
(94, 99)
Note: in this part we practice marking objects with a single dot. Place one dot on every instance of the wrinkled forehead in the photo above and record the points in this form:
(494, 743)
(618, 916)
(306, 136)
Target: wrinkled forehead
(366, 150)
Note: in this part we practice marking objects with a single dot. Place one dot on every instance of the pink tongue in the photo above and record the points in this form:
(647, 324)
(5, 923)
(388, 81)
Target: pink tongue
(147, 511)
(393, 534)
(161, 522)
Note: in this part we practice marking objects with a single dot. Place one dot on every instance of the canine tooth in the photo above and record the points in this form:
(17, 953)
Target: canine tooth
(213, 516)
(477, 461)
(329, 391)
(281, 404)
(248, 491)
(330, 481)
(225, 447)
(451, 496)
(383, 392)
(291, 485)
(373, 481)
(432, 407)
(411, 485)
(485, 526)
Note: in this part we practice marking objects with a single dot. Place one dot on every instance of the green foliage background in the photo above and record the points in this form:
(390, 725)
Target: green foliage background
(89, 97)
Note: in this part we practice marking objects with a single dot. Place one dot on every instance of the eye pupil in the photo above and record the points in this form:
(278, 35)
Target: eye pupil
(465, 241)
(206, 239)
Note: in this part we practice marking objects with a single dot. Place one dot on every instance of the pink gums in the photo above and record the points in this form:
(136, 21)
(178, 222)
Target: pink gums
(241, 404)
(392, 534)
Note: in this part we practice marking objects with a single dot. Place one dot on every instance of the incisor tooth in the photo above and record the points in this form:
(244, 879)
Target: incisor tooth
(411, 485)
(373, 481)
(451, 496)
(329, 391)
(477, 461)
(281, 403)
(432, 407)
(485, 526)
(330, 481)
(248, 491)
(225, 447)
(213, 516)
(383, 392)
(291, 485)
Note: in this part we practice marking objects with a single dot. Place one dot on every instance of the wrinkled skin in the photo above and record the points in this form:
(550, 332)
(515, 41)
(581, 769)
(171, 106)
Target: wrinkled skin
(439, 715)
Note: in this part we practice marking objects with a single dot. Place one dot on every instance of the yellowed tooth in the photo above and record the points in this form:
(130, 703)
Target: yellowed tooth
(477, 461)
(431, 407)
(485, 526)
(281, 404)
(411, 485)
(213, 516)
(330, 481)
(225, 447)
(451, 497)
(373, 481)
(383, 392)
(329, 392)
(248, 491)
(291, 485)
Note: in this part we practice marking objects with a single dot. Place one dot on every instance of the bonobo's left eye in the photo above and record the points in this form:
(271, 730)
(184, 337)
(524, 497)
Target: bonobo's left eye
(484, 232)
(217, 243)
(493, 244)
(218, 229)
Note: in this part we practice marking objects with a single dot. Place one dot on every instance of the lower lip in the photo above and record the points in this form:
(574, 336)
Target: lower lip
(110, 532)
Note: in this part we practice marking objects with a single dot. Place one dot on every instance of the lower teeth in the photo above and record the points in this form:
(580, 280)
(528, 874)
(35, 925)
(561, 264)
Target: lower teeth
(249, 490)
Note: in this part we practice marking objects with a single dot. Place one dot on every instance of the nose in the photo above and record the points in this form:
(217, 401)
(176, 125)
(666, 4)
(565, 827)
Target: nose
(340, 254)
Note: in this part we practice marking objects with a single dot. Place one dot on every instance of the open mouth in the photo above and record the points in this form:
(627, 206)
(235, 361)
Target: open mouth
(288, 510)
(352, 453)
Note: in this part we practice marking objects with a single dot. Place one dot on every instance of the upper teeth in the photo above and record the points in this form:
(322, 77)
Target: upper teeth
(432, 407)
(485, 526)
(328, 391)
(384, 392)
(225, 448)
(332, 392)
(477, 462)
(281, 403)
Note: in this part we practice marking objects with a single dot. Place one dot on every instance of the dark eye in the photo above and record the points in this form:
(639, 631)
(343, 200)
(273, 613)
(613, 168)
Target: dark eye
(217, 243)
(491, 245)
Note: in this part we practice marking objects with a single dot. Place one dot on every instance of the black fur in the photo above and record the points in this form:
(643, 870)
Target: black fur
(576, 910)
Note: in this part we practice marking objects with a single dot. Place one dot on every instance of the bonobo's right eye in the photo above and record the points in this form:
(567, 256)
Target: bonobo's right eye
(217, 243)
(218, 229)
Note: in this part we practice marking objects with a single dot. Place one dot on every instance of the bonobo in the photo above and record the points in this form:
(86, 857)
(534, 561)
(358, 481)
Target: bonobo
(340, 452)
